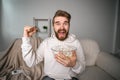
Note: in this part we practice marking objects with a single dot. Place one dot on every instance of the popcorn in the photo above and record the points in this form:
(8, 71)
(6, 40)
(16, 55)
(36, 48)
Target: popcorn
(66, 50)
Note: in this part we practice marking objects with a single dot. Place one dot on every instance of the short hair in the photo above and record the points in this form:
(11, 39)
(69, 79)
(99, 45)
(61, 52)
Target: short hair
(63, 14)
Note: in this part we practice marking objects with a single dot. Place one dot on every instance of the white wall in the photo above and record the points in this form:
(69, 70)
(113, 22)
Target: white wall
(90, 18)
(117, 42)
(0, 24)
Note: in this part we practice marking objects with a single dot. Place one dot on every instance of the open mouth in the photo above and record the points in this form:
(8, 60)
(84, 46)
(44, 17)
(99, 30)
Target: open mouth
(62, 32)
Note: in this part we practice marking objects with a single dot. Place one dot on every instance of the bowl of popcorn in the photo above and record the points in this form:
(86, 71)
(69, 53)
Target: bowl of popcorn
(65, 49)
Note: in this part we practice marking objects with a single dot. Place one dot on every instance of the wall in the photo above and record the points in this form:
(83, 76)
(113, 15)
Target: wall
(0, 24)
(90, 18)
(118, 31)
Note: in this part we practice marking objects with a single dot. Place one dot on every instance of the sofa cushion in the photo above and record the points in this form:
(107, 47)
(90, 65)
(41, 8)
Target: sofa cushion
(91, 50)
(109, 63)
(94, 73)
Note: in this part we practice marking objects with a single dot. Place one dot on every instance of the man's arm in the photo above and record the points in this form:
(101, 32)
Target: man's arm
(27, 51)
(80, 62)
(76, 61)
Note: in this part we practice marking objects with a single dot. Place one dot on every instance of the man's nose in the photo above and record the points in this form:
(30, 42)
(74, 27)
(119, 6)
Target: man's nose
(62, 26)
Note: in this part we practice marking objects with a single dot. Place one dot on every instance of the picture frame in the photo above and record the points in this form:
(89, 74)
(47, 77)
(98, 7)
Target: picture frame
(43, 27)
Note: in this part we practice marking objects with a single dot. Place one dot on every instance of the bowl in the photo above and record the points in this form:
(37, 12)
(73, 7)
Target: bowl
(65, 49)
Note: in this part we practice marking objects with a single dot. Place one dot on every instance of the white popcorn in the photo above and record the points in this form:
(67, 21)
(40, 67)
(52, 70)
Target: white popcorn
(66, 50)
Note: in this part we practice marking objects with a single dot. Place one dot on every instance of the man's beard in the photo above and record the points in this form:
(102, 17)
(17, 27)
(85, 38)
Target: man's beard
(61, 38)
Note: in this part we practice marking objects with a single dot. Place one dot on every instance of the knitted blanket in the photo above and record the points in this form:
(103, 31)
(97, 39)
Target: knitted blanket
(13, 67)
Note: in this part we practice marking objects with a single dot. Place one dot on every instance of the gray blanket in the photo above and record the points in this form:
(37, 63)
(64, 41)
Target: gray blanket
(13, 67)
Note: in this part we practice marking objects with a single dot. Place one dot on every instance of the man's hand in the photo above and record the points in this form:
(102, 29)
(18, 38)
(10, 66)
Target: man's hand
(66, 60)
(29, 31)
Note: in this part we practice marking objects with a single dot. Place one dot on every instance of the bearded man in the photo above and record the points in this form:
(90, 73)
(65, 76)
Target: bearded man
(56, 66)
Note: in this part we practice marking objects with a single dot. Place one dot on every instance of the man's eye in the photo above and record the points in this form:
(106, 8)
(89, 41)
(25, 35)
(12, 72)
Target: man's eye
(65, 23)
(57, 23)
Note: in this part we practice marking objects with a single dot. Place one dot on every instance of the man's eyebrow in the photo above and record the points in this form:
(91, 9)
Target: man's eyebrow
(57, 21)
(66, 21)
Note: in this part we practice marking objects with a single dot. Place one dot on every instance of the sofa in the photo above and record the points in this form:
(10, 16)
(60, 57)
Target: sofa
(100, 65)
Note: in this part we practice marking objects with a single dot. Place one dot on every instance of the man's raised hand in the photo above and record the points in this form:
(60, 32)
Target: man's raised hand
(29, 31)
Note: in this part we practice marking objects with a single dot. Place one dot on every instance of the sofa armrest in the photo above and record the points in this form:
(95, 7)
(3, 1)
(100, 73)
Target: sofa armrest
(109, 64)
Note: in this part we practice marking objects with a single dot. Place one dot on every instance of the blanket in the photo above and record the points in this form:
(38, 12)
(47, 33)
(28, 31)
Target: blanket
(13, 67)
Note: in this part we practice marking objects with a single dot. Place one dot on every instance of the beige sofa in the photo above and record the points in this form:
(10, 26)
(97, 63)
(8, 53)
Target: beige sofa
(99, 65)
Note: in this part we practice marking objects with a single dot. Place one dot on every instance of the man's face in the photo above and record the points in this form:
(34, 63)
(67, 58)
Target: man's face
(61, 27)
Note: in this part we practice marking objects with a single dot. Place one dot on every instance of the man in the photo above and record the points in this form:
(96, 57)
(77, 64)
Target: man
(58, 66)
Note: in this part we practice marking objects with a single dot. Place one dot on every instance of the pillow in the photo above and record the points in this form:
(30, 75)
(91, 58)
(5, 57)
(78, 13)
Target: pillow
(91, 51)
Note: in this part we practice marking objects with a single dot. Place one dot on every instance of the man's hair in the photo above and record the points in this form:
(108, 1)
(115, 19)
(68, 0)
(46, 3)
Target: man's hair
(63, 14)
